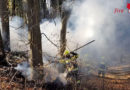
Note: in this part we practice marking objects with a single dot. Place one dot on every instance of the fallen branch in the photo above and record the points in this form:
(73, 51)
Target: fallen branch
(13, 77)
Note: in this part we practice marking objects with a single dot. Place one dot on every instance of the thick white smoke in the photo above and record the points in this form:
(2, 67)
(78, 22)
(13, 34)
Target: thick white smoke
(52, 30)
(90, 19)
(95, 19)
(25, 69)
(50, 71)
(18, 34)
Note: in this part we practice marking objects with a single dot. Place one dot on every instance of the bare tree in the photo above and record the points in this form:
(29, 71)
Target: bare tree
(65, 17)
(3, 61)
(43, 9)
(19, 7)
(34, 33)
(57, 6)
(5, 24)
(25, 7)
(13, 7)
(2, 54)
(64, 13)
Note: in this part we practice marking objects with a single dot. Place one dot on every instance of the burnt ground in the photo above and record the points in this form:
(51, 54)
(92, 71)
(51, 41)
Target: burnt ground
(10, 79)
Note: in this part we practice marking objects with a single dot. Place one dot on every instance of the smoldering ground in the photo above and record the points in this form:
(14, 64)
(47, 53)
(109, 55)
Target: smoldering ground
(51, 73)
(90, 19)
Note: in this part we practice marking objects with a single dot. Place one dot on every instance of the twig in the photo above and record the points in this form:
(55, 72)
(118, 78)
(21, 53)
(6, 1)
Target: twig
(50, 40)
(13, 77)
(25, 84)
(16, 28)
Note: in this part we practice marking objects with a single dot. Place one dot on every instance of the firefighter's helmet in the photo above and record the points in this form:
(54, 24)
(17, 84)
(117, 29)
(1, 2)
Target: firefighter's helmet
(66, 52)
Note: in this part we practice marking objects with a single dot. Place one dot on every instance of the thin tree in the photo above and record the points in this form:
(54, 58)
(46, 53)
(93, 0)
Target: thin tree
(65, 17)
(13, 7)
(25, 10)
(34, 34)
(43, 8)
(56, 5)
(2, 54)
(19, 8)
(5, 24)
(3, 61)
(61, 11)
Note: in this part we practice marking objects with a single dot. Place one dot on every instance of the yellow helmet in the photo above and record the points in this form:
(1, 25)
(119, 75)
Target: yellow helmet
(66, 52)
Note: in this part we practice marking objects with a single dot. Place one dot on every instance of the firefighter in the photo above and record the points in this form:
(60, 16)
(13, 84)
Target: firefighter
(102, 69)
(71, 65)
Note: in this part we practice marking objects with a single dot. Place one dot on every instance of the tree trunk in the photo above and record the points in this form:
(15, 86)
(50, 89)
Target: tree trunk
(19, 8)
(2, 55)
(43, 8)
(65, 17)
(3, 61)
(55, 4)
(5, 24)
(25, 10)
(34, 33)
(13, 7)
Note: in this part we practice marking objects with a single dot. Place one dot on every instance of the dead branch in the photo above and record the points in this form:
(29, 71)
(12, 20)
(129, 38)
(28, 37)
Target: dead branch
(50, 40)
(12, 78)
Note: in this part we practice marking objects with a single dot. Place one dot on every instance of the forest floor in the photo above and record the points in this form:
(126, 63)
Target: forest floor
(10, 79)
(97, 83)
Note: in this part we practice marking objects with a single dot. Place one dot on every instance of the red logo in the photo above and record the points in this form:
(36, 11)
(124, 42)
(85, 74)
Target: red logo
(128, 6)
(119, 10)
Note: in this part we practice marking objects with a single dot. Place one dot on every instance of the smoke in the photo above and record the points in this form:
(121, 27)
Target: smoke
(18, 34)
(95, 19)
(25, 69)
(52, 30)
(89, 20)
(50, 71)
